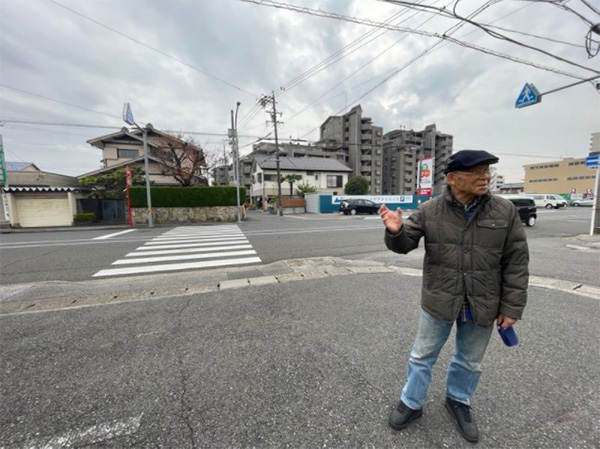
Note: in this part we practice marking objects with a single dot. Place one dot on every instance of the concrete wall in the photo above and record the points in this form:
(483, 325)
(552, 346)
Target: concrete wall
(166, 215)
(40, 178)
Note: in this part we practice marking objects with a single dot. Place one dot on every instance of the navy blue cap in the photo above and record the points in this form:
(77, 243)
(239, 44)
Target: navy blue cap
(468, 158)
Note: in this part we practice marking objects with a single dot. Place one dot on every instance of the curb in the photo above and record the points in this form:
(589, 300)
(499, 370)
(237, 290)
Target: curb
(55, 296)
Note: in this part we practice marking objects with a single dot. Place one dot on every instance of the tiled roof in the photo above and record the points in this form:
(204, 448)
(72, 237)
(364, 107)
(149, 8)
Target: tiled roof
(304, 164)
(17, 166)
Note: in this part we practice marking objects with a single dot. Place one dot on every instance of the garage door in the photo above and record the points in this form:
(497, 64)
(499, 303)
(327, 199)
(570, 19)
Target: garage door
(42, 212)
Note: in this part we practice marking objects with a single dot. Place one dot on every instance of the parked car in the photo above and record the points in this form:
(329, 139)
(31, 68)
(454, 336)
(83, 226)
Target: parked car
(359, 206)
(549, 201)
(582, 203)
(525, 206)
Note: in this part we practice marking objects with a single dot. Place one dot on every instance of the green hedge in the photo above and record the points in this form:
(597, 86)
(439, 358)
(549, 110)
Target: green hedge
(87, 217)
(187, 196)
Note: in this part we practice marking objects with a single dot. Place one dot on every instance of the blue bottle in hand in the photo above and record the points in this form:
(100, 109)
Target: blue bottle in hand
(509, 336)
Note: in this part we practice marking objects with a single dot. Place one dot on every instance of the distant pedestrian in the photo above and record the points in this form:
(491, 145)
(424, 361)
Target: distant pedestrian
(475, 272)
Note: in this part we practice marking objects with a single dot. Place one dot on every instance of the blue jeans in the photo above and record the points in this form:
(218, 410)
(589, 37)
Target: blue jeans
(465, 367)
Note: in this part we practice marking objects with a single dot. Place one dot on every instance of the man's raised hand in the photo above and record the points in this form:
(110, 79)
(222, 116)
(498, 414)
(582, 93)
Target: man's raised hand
(391, 220)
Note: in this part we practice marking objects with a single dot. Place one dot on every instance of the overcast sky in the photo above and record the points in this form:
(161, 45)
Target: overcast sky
(246, 50)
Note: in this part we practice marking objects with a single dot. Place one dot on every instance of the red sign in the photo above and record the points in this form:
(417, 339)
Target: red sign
(426, 191)
(128, 172)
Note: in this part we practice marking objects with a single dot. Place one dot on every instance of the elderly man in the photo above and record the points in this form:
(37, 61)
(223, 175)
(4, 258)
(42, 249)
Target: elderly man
(475, 272)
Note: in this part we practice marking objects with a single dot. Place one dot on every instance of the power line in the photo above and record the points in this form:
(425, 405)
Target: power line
(535, 36)
(488, 31)
(58, 101)
(593, 8)
(154, 49)
(321, 13)
(362, 67)
(423, 53)
(333, 58)
(86, 125)
(17, 157)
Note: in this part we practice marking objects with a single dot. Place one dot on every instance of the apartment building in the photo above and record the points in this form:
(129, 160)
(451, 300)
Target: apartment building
(567, 176)
(402, 149)
(496, 181)
(595, 144)
(223, 175)
(360, 141)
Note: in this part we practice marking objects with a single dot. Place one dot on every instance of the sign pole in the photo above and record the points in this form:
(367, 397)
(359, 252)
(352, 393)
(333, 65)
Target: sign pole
(127, 182)
(596, 200)
(4, 183)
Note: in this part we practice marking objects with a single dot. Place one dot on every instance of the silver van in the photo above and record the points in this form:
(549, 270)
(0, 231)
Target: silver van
(549, 201)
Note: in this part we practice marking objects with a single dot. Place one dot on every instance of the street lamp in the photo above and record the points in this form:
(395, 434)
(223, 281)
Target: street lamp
(128, 118)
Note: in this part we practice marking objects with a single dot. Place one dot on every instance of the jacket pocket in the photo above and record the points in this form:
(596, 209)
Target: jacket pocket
(491, 233)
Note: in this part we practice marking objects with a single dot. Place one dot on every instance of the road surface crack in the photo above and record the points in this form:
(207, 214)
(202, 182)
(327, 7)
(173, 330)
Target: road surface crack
(185, 407)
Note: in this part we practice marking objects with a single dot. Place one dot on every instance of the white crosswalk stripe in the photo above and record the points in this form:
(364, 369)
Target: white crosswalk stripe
(204, 247)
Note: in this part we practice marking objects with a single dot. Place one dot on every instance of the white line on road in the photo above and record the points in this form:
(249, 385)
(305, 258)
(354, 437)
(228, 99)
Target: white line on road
(102, 237)
(198, 236)
(177, 266)
(188, 250)
(90, 435)
(183, 257)
(195, 240)
(195, 245)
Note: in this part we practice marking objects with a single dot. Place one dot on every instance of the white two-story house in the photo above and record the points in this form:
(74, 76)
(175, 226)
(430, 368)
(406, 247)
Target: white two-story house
(326, 175)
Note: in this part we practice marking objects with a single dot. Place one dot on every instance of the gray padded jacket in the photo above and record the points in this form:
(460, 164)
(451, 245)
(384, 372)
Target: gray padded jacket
(484, 259)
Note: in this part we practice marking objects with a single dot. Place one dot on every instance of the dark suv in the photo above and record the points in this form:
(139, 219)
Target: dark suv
(525, 206)
(358, 206)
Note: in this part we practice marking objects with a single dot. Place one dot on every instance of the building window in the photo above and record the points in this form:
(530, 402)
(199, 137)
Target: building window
(259, 175)
(127, 154)
(316, 177)
(334, 181)
(310, 173)
(270, 177)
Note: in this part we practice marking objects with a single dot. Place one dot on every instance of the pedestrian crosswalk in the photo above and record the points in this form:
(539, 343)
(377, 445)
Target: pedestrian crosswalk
(187, 248)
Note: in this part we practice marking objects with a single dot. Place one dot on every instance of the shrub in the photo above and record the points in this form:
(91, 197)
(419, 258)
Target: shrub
(87, 217)
(186, 196)
(357, 186)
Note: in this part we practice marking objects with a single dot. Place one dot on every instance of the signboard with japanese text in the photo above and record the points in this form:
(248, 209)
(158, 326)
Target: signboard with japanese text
(379, 199)
(426, 176)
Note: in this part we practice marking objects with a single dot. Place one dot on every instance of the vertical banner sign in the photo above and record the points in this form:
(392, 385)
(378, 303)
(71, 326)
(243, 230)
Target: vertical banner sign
(426, 176)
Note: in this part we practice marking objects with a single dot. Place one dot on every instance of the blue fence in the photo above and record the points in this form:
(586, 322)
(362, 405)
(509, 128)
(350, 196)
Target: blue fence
(328, 206)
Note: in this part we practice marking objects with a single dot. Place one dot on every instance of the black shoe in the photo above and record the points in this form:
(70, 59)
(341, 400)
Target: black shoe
(401, 415)
(461, 414)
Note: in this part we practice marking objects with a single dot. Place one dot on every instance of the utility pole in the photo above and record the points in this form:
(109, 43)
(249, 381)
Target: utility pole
(271, 100)
(236, 158)
(128, 118)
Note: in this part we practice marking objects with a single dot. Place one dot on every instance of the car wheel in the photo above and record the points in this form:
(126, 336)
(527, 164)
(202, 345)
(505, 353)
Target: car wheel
(345, 212)
(530, 221)
(548, 206)
(352, 211)
(575, 204)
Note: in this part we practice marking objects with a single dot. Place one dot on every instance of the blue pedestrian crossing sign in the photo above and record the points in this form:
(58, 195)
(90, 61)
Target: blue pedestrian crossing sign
(592, 161)
(528, 96)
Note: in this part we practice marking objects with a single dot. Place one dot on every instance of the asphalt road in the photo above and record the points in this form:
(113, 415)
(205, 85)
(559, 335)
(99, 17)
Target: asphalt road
(314, 363)
(76, 256)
